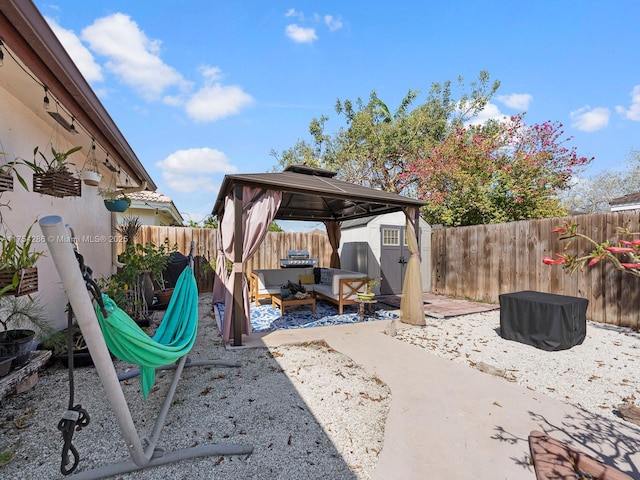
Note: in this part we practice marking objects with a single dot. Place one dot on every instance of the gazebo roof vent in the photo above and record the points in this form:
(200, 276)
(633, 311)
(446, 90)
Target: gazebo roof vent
(309, 170)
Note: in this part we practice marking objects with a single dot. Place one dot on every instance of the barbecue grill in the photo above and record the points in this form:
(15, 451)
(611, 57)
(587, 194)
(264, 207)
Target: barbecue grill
(298, 259)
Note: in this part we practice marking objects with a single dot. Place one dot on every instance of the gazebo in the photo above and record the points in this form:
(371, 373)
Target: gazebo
(248, 203)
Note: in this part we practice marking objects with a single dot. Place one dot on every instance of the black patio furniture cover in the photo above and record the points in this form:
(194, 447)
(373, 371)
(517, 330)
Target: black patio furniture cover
(543, 320)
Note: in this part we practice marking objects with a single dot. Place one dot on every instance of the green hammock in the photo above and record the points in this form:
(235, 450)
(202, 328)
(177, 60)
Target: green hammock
(174, 338)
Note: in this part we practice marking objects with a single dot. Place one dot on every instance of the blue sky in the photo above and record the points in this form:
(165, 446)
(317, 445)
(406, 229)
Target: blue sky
(205, 88)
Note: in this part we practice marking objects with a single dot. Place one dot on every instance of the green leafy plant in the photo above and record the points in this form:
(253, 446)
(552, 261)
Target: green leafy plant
(58, 163)
(17, 253)
(371, 282)
(10, 168)
(24, 312)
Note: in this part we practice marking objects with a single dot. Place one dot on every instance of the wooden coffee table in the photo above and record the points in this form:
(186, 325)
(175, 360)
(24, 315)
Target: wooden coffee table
(277, 300)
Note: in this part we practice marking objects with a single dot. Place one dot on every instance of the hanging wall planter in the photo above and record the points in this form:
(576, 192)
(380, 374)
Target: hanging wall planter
(117, 205)
(57, 184)
(54, 178)
(27, 281)
(91, 178)
(6, 182)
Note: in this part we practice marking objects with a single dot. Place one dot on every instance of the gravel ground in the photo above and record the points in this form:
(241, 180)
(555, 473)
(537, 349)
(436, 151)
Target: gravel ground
(308, 411)
(598, 375)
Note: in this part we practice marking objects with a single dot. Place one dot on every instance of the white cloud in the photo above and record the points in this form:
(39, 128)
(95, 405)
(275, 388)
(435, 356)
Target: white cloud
(189, 170)
(187, 183)
(489, 112)
(333, 23)
(80, 55)
(633, 112)
(301, 34)
(518, 101)
(132, 56)
(590, 119)
(197, 160)
(214, 100)
(292, 12)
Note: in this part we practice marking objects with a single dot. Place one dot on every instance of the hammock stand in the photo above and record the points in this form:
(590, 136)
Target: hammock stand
(142, 450)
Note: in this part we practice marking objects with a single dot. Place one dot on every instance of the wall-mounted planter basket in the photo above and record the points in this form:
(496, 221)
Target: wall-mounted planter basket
(6, 182)
(91, 178)
(27, 281)
(57, 184)
(118, 205)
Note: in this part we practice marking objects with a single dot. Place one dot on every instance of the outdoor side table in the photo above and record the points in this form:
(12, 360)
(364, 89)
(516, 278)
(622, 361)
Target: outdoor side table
(364, 305)
(543, 320)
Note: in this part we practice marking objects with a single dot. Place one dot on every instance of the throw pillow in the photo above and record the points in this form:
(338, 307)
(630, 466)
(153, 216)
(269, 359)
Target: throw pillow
(307, 279)
(326, 276)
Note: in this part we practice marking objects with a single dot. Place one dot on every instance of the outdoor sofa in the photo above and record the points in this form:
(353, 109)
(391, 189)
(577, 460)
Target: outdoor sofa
(337, 286)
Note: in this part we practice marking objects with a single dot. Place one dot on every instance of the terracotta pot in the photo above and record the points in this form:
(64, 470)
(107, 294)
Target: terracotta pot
(164, 296)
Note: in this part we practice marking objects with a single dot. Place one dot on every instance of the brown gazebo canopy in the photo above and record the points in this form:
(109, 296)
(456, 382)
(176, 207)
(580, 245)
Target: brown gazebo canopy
(301, 193)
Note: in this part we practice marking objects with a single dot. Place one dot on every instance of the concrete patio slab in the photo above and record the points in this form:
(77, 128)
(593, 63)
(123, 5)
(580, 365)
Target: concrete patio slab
(448, 420)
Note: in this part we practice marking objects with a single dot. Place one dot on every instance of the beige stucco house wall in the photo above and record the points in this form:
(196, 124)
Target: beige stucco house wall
(33, 59)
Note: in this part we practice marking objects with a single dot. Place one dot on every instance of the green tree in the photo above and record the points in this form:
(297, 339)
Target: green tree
(274, 227)
(372, 149)
(498, 172)
(593, 194)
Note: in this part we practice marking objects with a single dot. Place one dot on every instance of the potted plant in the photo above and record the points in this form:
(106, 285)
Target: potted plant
(369, 283)
(115, 201)
(18, 271)
(90, 176)
(143, 267)
(54, 177)
(6, 175)
(22, 319)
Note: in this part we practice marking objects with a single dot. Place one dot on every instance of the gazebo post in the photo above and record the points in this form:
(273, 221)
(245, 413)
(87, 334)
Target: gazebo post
(238, 303)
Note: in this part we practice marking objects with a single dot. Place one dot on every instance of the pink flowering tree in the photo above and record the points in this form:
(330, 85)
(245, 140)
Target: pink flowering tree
(497, 172)
(623, 253)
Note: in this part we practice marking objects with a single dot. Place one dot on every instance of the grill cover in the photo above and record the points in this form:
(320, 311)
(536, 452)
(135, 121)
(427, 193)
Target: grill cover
(543, 320)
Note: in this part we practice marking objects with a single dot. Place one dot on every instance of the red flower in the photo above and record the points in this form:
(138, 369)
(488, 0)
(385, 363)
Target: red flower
(619, 249)
(550, 261)
(593, 261)
(630, 265)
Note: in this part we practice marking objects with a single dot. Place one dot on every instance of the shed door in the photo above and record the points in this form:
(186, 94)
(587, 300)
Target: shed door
(394, 256)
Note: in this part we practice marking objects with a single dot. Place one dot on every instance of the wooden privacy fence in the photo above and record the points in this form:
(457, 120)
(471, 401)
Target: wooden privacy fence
(273, 248)
(481, 262)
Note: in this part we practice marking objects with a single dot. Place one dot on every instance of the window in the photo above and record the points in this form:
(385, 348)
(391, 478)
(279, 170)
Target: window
(390, 237)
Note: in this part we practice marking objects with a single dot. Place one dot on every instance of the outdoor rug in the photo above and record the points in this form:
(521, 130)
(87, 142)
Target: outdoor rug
(265, 318)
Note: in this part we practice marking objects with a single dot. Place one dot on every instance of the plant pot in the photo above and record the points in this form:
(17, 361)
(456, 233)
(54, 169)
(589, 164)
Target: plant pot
(27, 281)
(6, 182)
(285, 292)
(91, 178)
(57, 184)
(117, 205)
(366, 296)
(5, 365)
(19, 344)
(164, 296)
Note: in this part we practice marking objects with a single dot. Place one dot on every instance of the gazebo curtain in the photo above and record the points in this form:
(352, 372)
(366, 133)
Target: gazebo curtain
(259, 207)
(333, 232)
(411, 306)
